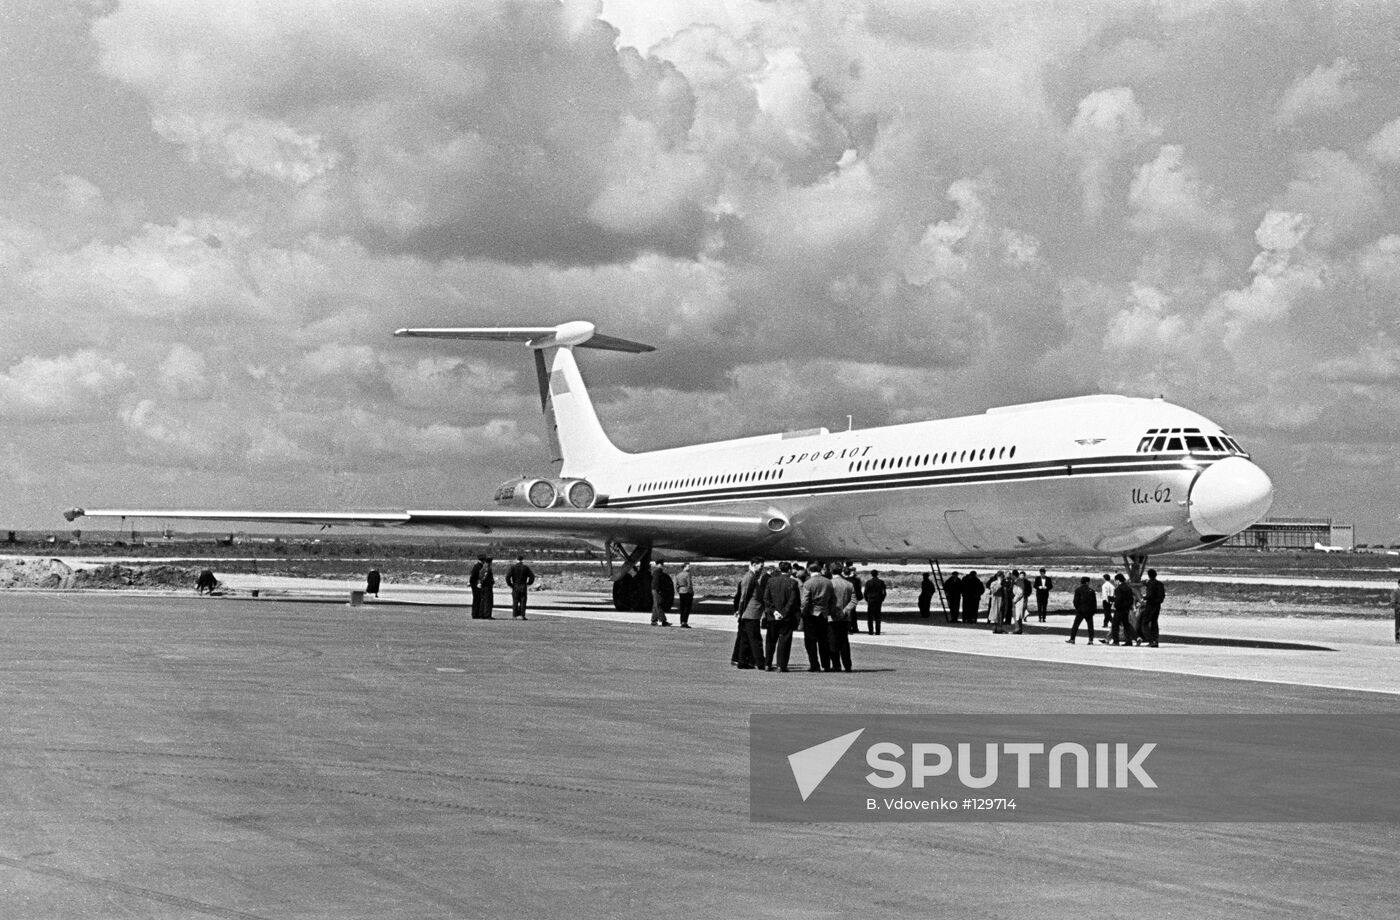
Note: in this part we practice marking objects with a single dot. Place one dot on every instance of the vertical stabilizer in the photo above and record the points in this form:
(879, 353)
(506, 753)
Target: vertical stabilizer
(575, 435)
(572, 423)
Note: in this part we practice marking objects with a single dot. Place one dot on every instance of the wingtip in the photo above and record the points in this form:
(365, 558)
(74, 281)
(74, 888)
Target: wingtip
(72, 514)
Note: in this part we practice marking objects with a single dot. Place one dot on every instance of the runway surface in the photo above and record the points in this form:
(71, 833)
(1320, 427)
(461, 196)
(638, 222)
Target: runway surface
(260, 758)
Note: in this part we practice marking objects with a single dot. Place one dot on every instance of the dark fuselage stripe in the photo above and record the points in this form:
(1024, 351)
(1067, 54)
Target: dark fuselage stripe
(1096, 466)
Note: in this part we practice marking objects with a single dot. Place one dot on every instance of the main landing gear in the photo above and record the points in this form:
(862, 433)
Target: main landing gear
(1136, 565)
(632, 582)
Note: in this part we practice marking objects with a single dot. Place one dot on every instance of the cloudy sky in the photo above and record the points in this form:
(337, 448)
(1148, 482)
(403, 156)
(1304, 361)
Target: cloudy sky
(213, 214)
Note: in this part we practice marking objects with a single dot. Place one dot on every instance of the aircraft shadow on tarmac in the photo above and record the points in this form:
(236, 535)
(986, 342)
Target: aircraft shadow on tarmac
(936, 622)
(1045, 629)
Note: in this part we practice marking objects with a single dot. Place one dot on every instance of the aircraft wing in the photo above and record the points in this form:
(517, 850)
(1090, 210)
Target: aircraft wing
(710, 534)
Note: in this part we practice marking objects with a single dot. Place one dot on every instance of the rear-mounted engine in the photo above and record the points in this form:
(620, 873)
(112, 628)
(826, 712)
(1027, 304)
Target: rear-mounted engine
(547, 493)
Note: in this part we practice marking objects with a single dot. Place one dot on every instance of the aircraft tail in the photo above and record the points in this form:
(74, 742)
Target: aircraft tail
(575, 435)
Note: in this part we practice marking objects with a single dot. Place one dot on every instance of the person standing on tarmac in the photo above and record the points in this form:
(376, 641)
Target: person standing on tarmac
(1086, 604)
(817, 599)
(1106, 598)
(875, 594)
(925, 596)
(952, 596)
(1123, 600)
(519, 578)
(1043, 584)
(970, 591)
(780, 598)
(750, 614)
(1020, 596)
(660, 582)
(996, 586)
(483, 583)
(1152, 597)
(843, 616)
(849, 573)
(685, 593)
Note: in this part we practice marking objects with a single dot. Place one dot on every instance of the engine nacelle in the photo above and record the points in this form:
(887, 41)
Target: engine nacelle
(547, 493)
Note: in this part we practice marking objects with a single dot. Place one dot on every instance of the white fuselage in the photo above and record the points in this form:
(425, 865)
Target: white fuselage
(1062, 477)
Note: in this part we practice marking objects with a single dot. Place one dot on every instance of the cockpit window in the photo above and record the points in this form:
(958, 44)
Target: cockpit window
(1196, 442)
(1174, 444)
(1159, 443)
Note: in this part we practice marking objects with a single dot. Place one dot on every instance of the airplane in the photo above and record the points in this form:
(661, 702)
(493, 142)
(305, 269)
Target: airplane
(1103, 474)
(1329, 548)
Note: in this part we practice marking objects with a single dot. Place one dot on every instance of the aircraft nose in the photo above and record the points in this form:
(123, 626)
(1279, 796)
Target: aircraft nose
(1228, 496)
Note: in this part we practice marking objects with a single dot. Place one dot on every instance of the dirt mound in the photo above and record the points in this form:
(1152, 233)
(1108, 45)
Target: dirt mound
(136, 576)
(56, 574)
(35, 573)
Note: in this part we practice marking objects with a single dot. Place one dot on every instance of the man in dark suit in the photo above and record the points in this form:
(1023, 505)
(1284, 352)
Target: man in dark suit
(971, 594)
(749, 613)
(781, 600)
(519, 577)
(952, 595)
(1042, 587)
(482, 583)
(1086, 604)
(875, 593)
(660, 588)
(1152, 597)
(817, 598)
(926, 592)
(1123, 600)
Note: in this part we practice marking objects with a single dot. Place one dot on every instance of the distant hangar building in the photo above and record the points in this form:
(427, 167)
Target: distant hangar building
(1294, 533)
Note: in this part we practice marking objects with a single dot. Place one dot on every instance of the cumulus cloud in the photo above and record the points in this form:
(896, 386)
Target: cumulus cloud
(65, 386)
(254, 146)
(1108, 127)
(1168, 194)
(1343, 195)
(184, 374)
(1282, 272)
(1384, 145)
(1327, 89)
(443, 128)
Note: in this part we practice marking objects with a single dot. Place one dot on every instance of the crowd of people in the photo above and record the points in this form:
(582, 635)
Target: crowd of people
(1009, 594)
(773, 601)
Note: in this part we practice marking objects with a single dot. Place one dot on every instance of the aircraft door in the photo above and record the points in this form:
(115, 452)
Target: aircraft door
(880, 537)
(965, 531)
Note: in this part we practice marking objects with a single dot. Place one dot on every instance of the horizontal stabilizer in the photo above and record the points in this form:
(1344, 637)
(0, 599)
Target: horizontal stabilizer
(578, 334)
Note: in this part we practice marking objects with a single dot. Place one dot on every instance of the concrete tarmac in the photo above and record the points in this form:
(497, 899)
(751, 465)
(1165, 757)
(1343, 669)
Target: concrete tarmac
(183, 757)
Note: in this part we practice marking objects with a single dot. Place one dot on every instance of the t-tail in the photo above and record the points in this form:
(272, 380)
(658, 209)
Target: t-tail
(575, 435)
